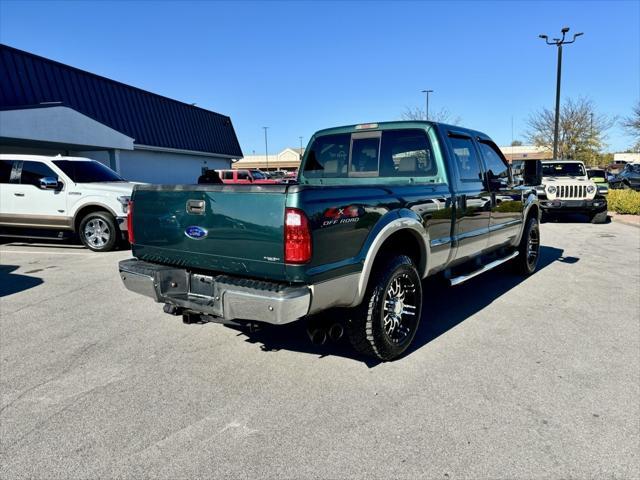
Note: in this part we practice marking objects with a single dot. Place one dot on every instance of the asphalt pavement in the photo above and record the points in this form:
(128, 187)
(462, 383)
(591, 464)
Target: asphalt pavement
(509, 378)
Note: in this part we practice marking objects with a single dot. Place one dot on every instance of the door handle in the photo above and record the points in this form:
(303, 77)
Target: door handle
(196, 207)
(19, 194)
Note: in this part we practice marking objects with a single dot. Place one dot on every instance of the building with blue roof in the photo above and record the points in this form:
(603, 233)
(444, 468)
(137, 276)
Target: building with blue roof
(50, 108)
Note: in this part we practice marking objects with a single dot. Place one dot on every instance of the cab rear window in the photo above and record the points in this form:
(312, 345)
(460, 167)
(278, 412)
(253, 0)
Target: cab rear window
(387, 154)
(328, 157)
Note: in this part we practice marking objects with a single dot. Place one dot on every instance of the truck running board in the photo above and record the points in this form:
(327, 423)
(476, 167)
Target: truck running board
(463, 278)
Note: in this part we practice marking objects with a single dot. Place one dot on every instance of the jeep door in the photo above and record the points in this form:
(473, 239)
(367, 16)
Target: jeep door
(472, 200)
(506, 200)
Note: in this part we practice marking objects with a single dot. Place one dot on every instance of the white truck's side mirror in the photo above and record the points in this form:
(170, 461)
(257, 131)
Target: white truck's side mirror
(49, 183)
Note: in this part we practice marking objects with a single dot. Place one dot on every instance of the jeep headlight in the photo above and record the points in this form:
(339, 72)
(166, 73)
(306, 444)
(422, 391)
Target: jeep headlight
(591, 189)
(124, 201)
(551, 189)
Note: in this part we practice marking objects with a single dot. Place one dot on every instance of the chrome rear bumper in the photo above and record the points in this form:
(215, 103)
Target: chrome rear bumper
(229, 298)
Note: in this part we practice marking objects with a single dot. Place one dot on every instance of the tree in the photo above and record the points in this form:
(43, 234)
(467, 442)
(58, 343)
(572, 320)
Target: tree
(516, 143)
(442, 116)
(581, 130)
(632, 125)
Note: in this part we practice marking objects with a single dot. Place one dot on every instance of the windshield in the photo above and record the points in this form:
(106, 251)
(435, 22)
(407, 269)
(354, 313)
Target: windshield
(596, 173)
(635, 168)
(563, 170)
(258, 175)
(87, 171)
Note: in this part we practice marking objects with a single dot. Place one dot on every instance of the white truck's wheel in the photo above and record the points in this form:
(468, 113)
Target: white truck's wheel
(98, 231)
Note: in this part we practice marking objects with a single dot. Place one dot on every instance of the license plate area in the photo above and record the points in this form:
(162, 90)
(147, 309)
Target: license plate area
(204, 291)
(172, 281)
(202, 285)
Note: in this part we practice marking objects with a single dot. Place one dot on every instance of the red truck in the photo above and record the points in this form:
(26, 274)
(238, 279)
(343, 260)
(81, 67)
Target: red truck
(245, 176)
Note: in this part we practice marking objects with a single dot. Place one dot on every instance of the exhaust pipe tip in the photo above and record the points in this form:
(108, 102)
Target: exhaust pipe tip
(336, 332)
(318, 336)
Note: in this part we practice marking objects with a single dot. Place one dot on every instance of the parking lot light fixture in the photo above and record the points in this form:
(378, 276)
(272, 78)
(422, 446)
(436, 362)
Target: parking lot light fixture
(558, 42)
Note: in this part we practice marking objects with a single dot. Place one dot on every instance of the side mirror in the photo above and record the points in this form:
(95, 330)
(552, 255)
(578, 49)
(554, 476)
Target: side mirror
(497, 183)
(49, 183)
(532, 172)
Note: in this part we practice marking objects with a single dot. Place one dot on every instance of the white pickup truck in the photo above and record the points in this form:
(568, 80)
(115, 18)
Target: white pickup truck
(52, 197)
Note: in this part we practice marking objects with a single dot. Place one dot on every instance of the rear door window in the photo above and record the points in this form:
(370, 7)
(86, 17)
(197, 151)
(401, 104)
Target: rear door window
(466, 159)
(5, 171)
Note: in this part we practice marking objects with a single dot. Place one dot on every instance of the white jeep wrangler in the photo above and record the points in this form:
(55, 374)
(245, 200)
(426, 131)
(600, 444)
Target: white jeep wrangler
(55, 197)
(566, 188)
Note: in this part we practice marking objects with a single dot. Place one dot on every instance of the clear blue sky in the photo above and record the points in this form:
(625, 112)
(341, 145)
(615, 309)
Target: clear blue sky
(300, 66)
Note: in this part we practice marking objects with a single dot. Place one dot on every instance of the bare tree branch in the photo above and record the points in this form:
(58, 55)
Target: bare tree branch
(581, 130)
(632, 125)
(442, 116)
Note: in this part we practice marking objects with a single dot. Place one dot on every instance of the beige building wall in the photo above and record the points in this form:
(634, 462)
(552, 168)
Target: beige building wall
(288, 159)
(526, 152)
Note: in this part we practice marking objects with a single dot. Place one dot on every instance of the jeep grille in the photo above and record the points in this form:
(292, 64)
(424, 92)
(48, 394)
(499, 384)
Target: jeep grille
(572, 191)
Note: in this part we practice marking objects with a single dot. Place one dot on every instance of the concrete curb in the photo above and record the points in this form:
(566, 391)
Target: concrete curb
(633, 220)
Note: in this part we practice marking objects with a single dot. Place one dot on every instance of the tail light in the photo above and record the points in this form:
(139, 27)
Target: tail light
(132, 238)
(297, 237)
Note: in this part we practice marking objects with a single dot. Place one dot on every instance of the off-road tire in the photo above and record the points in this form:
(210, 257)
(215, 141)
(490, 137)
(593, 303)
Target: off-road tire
(529, 248)
(600, 217)
(365, 327)
(109, 232)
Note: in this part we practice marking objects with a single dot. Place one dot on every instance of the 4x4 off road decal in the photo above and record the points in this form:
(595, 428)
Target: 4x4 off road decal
(341, 215)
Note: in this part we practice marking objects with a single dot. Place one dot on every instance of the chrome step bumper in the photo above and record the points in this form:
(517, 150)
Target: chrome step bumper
(223, 296)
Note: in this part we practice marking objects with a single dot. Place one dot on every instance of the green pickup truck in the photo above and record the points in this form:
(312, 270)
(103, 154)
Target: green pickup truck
(376, 209)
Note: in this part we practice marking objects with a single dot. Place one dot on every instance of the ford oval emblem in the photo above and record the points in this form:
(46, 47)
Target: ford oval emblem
(197, 233)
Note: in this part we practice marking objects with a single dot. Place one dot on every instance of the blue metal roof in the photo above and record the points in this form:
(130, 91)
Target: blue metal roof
(27, 79)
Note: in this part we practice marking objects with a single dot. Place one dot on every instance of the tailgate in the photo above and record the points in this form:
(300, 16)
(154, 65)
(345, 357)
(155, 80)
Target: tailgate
(240, 231)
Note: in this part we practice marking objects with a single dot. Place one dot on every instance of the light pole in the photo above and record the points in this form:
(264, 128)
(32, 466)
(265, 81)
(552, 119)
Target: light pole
(427, 110)
(300, 147)
(266, 148)
(592, 142)
(558, 42)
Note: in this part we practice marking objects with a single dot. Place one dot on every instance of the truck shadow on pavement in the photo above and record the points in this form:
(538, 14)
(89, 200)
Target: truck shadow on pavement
(11, 283)
(571, 218)
(67, 243)
(454, 305)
